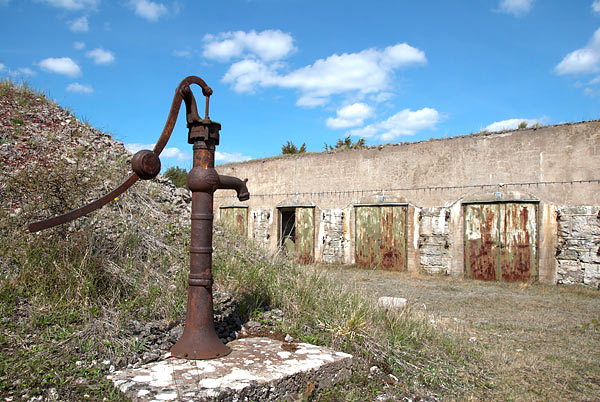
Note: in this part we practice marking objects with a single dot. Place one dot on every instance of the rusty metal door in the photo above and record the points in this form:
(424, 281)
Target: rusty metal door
(380, 240)
(518, 251)
(236, 218)
(500, 241)
(305, 235)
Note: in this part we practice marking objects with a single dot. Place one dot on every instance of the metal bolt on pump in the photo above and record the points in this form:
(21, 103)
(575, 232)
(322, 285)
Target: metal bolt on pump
(199, 339)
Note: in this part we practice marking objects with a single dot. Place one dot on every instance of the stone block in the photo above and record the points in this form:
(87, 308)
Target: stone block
(564, 227)
(258, 369)
(591, 274)
(391, 302)
(567, 254)
(590, 257)
(439, 225)
(584, 226)
(426, 228)
(434, 240)
(570, 271)
(428, 261)
(432, 249)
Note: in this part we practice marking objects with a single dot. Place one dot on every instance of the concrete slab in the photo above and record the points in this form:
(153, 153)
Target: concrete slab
(258, 369)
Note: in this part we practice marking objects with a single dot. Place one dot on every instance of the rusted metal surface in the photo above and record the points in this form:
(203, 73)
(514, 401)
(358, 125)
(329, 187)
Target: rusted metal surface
(482, 241)
(368, 228)
(199, 339)
(305, 235)
(79, 212)
(393, 238)
(235, 217)
(518, 256)
(500, 241)
(380, 240)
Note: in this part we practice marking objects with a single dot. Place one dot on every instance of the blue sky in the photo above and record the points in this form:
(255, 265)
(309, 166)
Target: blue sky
(308, 71)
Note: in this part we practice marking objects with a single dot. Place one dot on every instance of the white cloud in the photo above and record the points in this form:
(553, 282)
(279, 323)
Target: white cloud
(405, 122)
(350, 116)
(72, 4)
(176, 153)
(225, 157)
(148, 10)
(246, 74)
(101, 56)
(268, 45)
(80, 88)
(182, 53)
(16, 73)
(382, 97)
(595, 81)
(516, 7)
(171, 152)
(511, 124)
(590, 92)
(582, 61)
(369, 71)
(136, 146)
(79, 24)
(78, 45)
(596, 6)
(60, 65)
(26, 71)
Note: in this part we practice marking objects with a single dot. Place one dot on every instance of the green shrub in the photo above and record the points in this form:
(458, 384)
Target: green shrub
(177, 175)
(289, 148)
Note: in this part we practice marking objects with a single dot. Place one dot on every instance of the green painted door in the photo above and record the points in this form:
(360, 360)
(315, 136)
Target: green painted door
(236, 218)
(380, 237)
(305, 235)
(500, 241)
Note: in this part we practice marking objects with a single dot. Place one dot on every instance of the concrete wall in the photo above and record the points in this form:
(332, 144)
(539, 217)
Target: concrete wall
(556, 166)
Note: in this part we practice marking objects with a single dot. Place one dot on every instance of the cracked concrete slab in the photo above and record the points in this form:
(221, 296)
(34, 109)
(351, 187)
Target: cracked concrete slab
(258, 369)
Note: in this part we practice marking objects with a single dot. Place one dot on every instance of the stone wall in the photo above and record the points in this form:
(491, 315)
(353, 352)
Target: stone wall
(260, 222)
(331, 235)
(578, 250)
(434, 240)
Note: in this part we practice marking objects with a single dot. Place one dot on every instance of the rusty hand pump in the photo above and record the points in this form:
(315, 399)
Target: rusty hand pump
(199, 339)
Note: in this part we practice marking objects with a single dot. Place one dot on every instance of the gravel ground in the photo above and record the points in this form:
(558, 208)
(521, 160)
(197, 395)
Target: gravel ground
(538, 342)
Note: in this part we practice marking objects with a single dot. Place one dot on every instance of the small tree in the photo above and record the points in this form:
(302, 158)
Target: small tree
(177, 176)
(346, 143)
(289, 148)
(523, 124)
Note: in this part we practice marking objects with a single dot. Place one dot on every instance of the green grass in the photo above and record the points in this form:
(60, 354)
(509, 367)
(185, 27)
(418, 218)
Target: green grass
(320, 310)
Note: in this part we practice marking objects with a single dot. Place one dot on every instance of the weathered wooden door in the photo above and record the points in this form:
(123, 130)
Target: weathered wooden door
(501, 241)
(380, 240)
(305, 235)
(235, 217)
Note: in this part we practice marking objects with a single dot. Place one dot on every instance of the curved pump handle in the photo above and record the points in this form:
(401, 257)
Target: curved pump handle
(145, 163)
(183, 92)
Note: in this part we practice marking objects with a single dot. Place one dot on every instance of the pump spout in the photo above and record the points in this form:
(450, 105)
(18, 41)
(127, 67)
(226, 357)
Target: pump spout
(233, 183)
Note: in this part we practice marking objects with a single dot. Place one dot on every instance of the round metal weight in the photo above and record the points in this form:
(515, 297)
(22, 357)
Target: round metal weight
(146, 164)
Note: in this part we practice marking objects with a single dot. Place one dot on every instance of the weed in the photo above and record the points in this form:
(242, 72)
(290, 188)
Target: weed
(322, 311)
